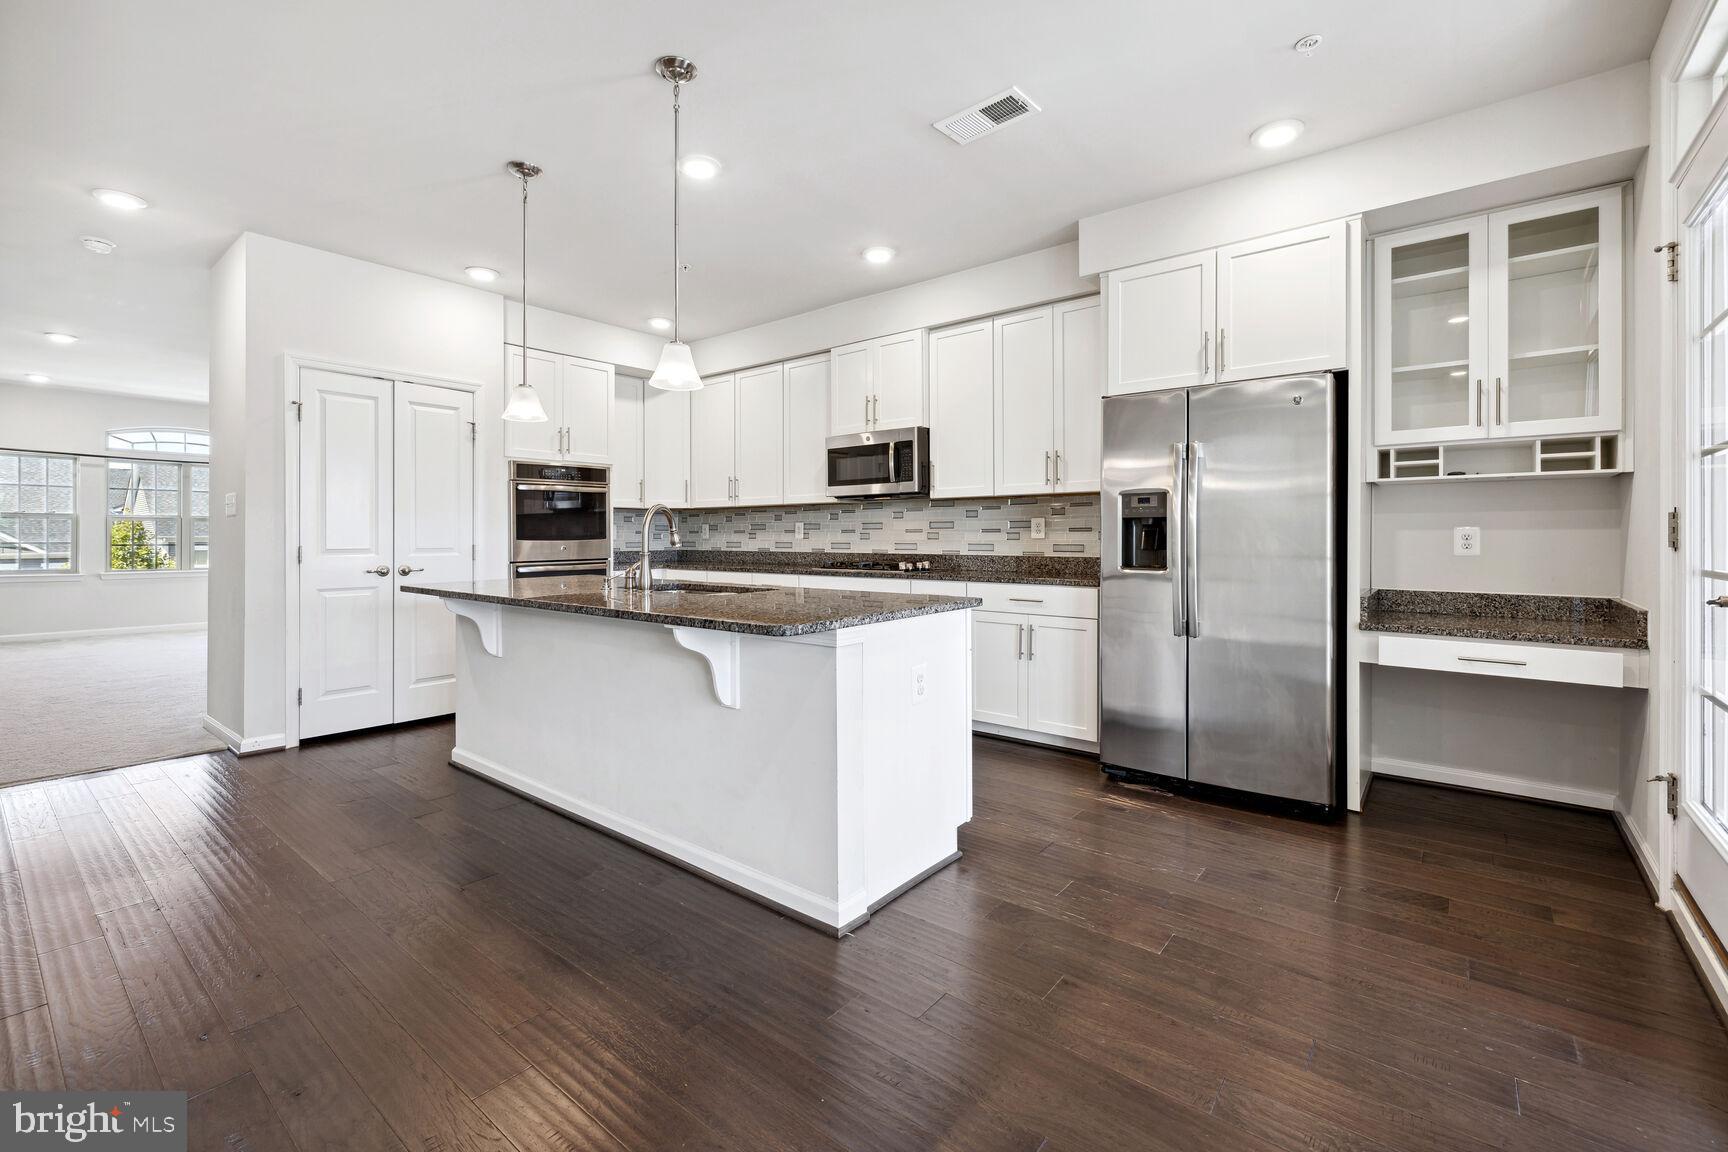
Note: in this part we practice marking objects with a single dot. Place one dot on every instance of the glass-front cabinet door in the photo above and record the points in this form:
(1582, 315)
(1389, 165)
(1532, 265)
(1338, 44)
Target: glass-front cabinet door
(1555, 316)
(1431, 333)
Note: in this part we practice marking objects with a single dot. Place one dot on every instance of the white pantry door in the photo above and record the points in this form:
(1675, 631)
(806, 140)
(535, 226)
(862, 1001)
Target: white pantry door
(347, 541)
(434, 514)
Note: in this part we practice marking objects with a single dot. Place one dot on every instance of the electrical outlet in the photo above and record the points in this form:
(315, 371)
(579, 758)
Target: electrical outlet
(920, 683)
(1037, 527)
(798, 530)
(704, 531)
(231, 504)
(1466, 541)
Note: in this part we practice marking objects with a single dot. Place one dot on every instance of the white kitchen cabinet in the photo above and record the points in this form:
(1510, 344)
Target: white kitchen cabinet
(1025, 400)
(761, 437)
(713, 442)
(627, 487)
(585, 396)
(1062, 676)
(962, 398)
(855, 583)
(577, 395)
(1267, 307)
(878, 384)
(1281, 304)
(807, 397)
(1504, 325)
(541, 440)
(999, 668)
(1161, 318)
(666, 447)
(1079, 395)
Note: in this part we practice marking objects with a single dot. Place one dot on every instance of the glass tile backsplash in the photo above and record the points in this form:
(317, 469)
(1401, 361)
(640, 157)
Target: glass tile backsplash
(1002, 526)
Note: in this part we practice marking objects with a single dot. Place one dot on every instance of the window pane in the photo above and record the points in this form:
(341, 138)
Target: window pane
(174, 441)
(37, 505)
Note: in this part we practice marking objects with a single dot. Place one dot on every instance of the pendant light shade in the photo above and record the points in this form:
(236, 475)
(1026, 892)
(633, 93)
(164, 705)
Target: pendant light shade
(524, 406)
(676, 371)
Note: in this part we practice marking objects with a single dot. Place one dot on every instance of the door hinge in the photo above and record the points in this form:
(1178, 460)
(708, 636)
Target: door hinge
(299, 695)
(1673, 250)
(473, 430)
(1674, 529)
(473, 551)
(1673, 782)
(299, 553)
(299, 409)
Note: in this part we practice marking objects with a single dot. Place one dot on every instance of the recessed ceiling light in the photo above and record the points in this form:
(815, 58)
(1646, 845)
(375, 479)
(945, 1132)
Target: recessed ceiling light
(35, 378)
(878, 254)
(659, 323)
(1276, 134)
(483, 275)
(97, 244)
(699, 167)
(61, 337)
(124, 201)
(1464, 319)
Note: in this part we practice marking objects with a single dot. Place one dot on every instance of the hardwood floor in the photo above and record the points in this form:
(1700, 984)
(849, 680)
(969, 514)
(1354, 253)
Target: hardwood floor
(357, 946)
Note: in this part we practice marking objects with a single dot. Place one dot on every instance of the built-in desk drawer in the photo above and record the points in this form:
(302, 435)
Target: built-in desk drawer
(1037, 599)
(1605, 667)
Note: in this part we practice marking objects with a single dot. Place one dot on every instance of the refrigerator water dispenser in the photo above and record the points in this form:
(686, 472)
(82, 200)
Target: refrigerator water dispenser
(1146, 531)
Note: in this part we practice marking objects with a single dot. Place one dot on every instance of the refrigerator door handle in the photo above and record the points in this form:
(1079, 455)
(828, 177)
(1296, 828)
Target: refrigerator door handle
(1191, 538)
(1176, 563)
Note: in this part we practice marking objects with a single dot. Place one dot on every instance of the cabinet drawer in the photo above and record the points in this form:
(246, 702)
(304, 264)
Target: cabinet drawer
(1599, 666)
(759, 579)
(1037, 599)
(856, 583)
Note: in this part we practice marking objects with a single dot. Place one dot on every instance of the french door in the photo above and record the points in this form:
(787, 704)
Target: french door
(386, 499)
(1701, 823)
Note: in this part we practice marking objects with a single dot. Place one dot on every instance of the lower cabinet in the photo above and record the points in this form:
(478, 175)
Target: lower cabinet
(1034, 672)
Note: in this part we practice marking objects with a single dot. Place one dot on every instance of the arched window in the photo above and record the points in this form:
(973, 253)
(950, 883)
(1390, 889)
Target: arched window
(166, 441)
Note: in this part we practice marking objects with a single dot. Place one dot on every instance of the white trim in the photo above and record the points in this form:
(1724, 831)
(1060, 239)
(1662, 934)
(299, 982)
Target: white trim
(1642, 854)
(68, 577)
(758, 884)
(238, 746)
(1027, 736)
(1597, 798)
(1715, 977)
(153, 574)
(87, 633)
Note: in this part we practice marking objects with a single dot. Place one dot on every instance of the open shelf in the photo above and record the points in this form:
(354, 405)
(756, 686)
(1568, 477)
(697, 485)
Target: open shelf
(1576, 258)
(1551, 357)
(1500, 459)
(1424, 369)
(1427, 283)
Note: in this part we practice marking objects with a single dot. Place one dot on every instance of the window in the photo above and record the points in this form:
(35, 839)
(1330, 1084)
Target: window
(158, 516)
(37, 513)
(167, 441)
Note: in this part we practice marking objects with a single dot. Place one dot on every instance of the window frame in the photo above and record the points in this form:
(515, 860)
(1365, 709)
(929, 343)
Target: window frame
(185, 452)
(185, 535)
(71, 570)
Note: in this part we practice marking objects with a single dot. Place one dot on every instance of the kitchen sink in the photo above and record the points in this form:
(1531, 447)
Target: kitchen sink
(703, 589)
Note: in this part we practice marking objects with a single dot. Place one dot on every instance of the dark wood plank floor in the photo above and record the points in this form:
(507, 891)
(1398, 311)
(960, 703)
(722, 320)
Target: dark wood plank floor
(356, 946)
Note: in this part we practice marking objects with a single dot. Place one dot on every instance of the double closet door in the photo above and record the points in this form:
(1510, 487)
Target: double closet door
(386, 498)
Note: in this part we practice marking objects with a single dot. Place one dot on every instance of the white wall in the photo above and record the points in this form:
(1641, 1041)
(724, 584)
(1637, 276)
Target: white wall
(1018, 282)
(1547, 537)
(1597, 116)
(49, 419)
(225, 685)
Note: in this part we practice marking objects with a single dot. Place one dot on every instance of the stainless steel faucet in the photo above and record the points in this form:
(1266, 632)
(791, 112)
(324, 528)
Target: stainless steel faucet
(645, 575)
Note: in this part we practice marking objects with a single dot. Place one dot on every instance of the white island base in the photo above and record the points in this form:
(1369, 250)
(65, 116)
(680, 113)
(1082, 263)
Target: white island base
(821, 774)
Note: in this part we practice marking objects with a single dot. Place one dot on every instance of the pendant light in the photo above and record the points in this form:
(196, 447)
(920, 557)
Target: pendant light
(524, 405)
(676, 371)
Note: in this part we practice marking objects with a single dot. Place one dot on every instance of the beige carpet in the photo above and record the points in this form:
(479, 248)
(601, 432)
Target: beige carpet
(70, 706)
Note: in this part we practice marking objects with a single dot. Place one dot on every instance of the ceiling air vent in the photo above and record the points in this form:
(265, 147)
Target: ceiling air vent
(987, 116)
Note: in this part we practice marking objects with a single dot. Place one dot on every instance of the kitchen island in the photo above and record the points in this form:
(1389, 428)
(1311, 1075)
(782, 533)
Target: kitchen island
(809, 748)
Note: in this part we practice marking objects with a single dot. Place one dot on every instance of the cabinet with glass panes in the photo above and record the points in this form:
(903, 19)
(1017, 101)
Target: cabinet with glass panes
(1505, 325)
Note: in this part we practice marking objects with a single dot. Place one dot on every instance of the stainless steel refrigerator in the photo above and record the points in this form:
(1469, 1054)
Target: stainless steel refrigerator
(1218, 608)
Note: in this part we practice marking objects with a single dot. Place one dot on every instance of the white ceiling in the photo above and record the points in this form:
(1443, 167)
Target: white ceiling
(379, 130)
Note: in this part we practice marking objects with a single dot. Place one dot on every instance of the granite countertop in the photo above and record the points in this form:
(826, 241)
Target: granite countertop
(753, 610)
(1585, 621)
(1069, 571)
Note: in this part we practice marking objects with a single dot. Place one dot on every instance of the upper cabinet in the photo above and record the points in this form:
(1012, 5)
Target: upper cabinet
(577, 395)
(760, 472)
(713, 442)
(666, 447)
(627, 487)
(807, 396)
(1505, 325)
(1025, 401)
(1080, 395)
(962, 397)
(1269, 307)
(877, 384)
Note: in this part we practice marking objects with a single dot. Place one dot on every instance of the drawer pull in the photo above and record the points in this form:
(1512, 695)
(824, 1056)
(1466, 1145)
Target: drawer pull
(1493, 660)
(1026, 599)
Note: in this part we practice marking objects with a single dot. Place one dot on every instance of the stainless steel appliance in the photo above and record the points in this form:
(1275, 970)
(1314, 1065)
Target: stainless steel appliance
(560, 519)
(881, 462)
(1218, 609)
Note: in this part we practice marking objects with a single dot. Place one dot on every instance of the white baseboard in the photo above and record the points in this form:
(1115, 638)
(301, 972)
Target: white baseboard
(1704, 957)
(242, 747)
(1601, 799)
(89, 633)
(1030, 737)
(1642, 855)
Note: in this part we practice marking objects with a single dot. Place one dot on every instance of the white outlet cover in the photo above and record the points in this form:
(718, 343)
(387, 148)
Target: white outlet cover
(231, 504)
(798, 530)
(920, 683)
(1037, 527)
(1466, 541)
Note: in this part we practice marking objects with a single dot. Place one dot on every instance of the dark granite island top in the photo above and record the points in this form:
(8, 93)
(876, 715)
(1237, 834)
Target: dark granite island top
(721, 607)
(1582, 621)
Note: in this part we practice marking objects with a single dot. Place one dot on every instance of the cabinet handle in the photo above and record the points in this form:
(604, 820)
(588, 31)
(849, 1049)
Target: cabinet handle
(1206, 354)
(1492, 660)
(641, 489)
(1019, 641)
(1046, 467)
(875, 410)
(1500, 387)
(1025, 599)
(866, 411)
(1220, 349)
(1481, 405)
(1058, 465)
(1031, 635)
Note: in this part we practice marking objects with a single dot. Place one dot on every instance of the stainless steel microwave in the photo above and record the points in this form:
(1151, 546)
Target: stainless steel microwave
(881, 462)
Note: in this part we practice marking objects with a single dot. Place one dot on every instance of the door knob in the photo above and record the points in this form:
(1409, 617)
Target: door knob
(1718, 602)
(407, 571)
(381, 570)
